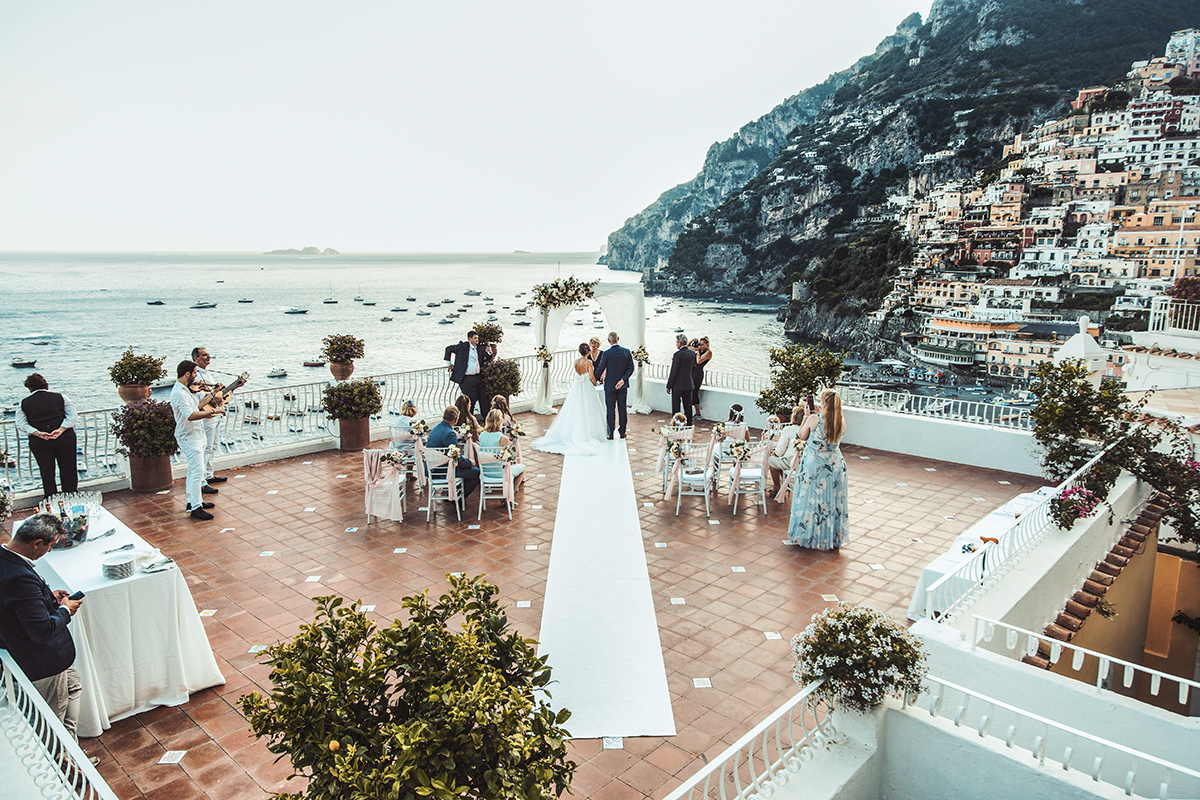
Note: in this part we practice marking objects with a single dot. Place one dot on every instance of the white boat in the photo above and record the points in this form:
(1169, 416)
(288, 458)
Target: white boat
(278, 372)
(472, 293)
(445, 322)
(202, 304)
(23, 362)
(385, 319)
(329, 301)
(398, 308)
(296, 311)
(423, 314)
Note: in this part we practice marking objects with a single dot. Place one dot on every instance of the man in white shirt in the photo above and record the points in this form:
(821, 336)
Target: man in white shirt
(212, 424)
(189, 434)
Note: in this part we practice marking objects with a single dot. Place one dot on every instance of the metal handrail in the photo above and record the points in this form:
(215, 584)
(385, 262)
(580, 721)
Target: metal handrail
(1048, 738)
(1106, 666)
(769, 754)
(954, 592)
(36, 739)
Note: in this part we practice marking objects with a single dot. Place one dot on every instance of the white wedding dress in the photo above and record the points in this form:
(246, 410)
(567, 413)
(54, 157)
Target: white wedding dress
(580, 428)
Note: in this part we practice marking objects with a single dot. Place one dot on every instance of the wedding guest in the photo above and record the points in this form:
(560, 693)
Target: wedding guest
(465, 417)
(785, 448)
(403, 425)
(49, 420)
(34, 619)
(680, 379)
(820, 514)
(679, 420)
(703, 356)
(736, 415)
(493, 436)
(443, 435)
(500, 402)
(470, 357)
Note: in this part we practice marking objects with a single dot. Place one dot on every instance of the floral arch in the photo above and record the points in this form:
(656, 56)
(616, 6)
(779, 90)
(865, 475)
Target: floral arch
(624, 306)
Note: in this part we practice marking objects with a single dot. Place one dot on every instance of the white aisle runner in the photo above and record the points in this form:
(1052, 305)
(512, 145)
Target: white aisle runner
(598, 623)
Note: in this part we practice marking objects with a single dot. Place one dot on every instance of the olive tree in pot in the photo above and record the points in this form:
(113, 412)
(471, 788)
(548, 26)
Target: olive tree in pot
(133, 373)
(340, 350)
(352, 403)
(502, 378)
(146, 431)
(797, 371)
(449, 702)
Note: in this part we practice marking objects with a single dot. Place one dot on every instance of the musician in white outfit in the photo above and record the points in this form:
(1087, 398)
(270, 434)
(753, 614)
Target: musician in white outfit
(207, 381)
(189, 434)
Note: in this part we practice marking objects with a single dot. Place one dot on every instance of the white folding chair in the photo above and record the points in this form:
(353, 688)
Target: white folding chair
(405, 443)
(384, 495)
(750, 476)
(732, 433)
(693, 474)
(438, 467)
(500, 486)
(678, 433)
(773, 430)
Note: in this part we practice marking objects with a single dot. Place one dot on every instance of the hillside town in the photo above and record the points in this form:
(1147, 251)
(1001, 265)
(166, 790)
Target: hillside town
(1094, 214)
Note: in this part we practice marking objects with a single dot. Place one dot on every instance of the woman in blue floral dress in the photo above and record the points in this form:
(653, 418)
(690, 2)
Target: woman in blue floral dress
(820, 517)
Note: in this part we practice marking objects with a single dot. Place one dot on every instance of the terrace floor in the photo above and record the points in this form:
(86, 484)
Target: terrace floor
(904, 511)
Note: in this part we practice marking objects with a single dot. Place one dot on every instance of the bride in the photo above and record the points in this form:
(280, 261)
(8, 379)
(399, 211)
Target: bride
(580, 428)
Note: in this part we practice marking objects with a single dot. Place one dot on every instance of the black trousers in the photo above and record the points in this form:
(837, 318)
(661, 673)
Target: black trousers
(685, 398)
(472, 387)
(60, 451)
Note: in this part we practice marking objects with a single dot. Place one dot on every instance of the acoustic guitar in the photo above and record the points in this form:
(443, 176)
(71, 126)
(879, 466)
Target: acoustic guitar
(224, 392)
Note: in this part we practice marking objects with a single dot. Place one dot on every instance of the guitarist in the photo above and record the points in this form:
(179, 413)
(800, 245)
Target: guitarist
(206, 381)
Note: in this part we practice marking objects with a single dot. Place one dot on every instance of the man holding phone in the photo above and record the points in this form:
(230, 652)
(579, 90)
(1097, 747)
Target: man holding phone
(33, 619)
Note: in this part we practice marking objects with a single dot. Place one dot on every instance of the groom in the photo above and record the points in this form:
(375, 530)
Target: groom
(616, 365)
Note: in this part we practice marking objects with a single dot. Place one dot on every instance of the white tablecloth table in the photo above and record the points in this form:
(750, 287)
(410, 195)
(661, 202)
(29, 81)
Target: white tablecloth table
(139, 641)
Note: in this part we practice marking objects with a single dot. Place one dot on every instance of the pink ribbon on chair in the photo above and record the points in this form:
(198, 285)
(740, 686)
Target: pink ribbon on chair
(509, 489)
(378, 477)
(435, 458)
(419, 450)
(676, 477)
(790, 478)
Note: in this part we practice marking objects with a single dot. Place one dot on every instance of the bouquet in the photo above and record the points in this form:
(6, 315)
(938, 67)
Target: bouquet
(507, 455)
(543, 355)
(454, 452)
(419, 427)
(676, 448)
(640, 355)
(393, 458)
(718, 429)
(464, 432)
(738, 450)
(514, 429)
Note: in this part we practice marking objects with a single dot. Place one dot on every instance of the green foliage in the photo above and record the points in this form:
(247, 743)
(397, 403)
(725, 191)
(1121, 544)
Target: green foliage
(136, 369)
(145, 429)
(501, 377)
(352, 399)
(797, 371)
(342, 347)
(415, 710)
(489, 332)
(862, 270)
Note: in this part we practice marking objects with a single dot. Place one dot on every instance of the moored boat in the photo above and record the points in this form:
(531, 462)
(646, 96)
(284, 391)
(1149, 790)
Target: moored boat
(522, 322)
(314, 363)
(24, 362)
(423, 314)
(472, 293)
(385, 319)
(203, 304)
(245, 300)
(296, 311)
(278, 372)
(155, 303)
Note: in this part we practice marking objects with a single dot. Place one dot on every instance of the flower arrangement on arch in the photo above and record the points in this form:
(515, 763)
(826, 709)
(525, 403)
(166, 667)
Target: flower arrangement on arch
(640, 355)
(862, 654)
(543, 355)
(563, 292)
(1074, 504)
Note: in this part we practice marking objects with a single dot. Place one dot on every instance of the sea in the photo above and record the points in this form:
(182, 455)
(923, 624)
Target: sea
(74, 313)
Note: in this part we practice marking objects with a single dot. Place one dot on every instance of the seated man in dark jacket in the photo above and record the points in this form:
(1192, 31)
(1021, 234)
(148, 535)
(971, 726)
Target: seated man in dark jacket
(443, 435)
(33, 619)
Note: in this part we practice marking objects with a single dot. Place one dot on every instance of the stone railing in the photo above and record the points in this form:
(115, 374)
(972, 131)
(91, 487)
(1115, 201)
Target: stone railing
(769, 755)
(1025, 642)
(38, 757)
(263, 419)
(950, 595)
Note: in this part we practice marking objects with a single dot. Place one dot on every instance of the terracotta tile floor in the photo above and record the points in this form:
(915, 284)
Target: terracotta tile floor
(718, 634)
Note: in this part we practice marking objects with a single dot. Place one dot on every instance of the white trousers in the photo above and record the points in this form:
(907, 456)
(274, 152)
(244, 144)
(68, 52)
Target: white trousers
(61, 692)
(192, 448)
(211, 428)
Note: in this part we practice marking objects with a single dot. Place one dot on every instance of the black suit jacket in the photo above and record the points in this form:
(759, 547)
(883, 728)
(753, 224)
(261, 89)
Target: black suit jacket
(33, 626)
(683, 364)
(618, 362)
(461, 353)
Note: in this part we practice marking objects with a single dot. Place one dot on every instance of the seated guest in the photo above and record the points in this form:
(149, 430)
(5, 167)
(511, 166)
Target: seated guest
(443, 435)
(736, 417)
(679, 420)
(500, 402)
(492, 436)
(465, 417)
(785, 448)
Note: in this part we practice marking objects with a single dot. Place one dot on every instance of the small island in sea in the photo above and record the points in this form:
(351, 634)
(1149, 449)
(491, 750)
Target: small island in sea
(308, 251)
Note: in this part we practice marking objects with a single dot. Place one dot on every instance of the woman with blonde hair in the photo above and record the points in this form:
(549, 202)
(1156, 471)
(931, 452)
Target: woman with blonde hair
(820, 517)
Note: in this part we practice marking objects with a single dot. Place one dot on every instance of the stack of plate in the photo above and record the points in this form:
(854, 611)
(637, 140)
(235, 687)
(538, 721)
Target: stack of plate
(118, 567)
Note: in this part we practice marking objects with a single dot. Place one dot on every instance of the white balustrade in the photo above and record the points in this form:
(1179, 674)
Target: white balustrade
(38, 758)
(769, 755)
(1168, 315)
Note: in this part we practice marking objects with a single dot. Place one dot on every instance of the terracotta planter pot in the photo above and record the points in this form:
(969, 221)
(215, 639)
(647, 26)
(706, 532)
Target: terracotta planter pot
(355, 434)
(342, 370)
(133, 393)
(149, 474)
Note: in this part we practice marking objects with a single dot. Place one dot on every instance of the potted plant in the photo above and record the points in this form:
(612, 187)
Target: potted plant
(352, 403)
(797, 371)
(501, 377)
(862, 655)
(448, 701)
(489, 332)
(340, 350)
(133, 373)
(146, 432)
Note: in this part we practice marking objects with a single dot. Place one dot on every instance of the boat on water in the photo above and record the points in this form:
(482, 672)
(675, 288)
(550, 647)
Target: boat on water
(453, 316)
(202, 304)
(385, 319)
(24, 362)
(329, 301)
(411, 299)
(314, 363)
(155, 303)
(433, 305)
(368, 302)
(296, 311)
(445, 322)
(522, 322)
(358, 298)
(493, 318)
(40, 344)
(447, 300)
(278, 372)
(398, 308)
(245, 300)
(165, 383)
(489, 299)
(423, 314)
(578, 322)
(679, 330)
(472, 293)
(520, 311)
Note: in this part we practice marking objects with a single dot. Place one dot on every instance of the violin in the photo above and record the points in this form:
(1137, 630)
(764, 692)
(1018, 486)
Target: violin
(220, 394)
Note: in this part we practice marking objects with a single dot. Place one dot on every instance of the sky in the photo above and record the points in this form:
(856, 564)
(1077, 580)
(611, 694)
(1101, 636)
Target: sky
(391, 126)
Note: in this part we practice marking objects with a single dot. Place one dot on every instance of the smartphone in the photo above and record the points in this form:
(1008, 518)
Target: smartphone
(77, 596)
(812, 407)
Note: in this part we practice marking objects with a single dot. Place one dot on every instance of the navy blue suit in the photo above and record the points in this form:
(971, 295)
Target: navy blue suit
(681, 382)
(33, 626)
(443, 435)
(616, 365)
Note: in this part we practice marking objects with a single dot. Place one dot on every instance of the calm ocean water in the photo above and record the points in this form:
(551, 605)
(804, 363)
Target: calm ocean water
(91, 306)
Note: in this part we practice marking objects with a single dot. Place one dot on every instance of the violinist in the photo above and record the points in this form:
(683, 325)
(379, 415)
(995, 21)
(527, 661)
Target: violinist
(189, 433)
(206, 381)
